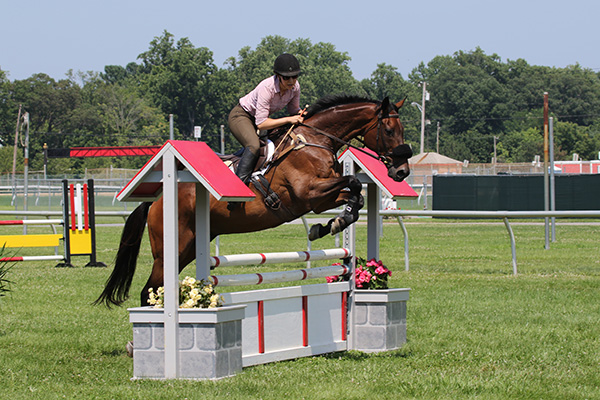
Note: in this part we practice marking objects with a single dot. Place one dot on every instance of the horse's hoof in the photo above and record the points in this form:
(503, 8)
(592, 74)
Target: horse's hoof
(129, 347)
(313, 233)
(336, 226)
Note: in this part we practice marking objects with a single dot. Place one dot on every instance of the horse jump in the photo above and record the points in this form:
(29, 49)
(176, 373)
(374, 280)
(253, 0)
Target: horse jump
(182, 229)
(313, 316)
(79, 229)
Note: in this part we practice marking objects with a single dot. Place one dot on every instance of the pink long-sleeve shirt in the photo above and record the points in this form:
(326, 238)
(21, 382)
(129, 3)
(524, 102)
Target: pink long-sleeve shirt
(266, 99)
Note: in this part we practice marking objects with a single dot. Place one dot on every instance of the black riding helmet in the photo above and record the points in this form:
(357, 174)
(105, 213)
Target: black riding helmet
(286, 65)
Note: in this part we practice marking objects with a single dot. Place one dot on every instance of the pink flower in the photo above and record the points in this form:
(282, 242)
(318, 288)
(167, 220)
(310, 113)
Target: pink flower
(373, 263)
(367, 276)
(331, 279)
(382, 270)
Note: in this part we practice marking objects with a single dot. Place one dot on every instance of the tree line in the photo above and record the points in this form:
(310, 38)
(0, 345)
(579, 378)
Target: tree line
(475, 100)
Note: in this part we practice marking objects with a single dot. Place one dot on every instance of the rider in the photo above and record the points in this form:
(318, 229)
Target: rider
(251, 114)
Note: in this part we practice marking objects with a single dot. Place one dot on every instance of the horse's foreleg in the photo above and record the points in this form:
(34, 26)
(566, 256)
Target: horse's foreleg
(354, 202)
(349, 215)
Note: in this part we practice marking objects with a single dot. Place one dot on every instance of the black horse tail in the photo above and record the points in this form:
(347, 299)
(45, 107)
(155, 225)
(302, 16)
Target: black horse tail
(116, 290)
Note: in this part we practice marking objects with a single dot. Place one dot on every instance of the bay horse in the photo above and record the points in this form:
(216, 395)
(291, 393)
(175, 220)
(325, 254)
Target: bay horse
(305, 179)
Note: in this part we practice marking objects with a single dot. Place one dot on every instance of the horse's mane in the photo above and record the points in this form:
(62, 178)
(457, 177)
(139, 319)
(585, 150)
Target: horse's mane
(323, 104)
(335, 100)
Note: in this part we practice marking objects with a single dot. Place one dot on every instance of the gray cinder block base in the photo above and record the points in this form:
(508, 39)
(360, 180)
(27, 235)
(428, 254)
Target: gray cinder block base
(209, 342)
(380, 319)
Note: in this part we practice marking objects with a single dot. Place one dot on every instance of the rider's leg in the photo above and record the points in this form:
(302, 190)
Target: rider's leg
(242, 126)
(246, 165)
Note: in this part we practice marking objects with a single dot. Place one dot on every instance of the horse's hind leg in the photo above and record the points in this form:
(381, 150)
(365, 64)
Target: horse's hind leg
(154, 281)
(347, 217)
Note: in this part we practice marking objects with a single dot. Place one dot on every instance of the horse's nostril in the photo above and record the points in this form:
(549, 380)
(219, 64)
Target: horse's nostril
(399, 174)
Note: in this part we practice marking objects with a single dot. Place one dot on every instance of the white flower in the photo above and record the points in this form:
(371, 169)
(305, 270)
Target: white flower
(195, 294)
(189, 281)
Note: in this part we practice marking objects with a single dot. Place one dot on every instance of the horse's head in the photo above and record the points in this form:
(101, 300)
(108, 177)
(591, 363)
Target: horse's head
(348, 117)
(386, 138)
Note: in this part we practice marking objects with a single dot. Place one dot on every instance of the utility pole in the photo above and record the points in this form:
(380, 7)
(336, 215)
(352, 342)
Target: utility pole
(14, 170)
(222, 139)
(495, 155)
(546, 177)
(26, 169)
(437, 145)
(425, 97)
(171, 130)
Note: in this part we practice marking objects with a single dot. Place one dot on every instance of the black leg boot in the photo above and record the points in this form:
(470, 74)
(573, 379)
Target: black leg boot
(244, 171)
(246, 165)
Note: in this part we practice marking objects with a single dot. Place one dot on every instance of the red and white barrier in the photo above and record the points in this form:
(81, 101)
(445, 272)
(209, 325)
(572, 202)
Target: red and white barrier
(32, 258)
(293, 321)
(278, 277)
(274, 258)
(33, 222)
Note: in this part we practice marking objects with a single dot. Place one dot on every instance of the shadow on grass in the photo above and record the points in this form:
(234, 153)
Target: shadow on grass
(355, 355)
(115, 352)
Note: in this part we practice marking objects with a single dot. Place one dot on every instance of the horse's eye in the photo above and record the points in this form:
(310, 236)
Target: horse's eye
(389, 131)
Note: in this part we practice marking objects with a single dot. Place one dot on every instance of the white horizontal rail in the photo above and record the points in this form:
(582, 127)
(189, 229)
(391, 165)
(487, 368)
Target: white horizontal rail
(32, 222)
(504, 215)
(281, 257)
(480, 214)
(494, 214)
(278, 277)
(32, 258)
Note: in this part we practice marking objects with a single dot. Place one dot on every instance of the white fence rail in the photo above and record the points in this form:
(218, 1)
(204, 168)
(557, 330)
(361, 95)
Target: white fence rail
(504, 216)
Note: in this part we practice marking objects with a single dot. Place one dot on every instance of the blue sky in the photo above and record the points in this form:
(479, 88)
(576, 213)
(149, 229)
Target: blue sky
(55, 36)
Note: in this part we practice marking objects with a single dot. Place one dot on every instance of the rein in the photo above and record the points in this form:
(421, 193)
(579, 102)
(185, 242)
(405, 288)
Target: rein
(400, 150)
(337, 139)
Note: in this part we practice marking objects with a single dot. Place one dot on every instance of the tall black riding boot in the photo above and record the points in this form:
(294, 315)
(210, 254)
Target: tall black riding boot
(244, 171)
(246, 165)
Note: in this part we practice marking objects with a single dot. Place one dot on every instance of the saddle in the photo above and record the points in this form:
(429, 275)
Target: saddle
(267, 156)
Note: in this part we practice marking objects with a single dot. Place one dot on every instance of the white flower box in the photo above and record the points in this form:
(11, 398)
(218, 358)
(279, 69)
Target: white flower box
(209, 342)
(380, 319)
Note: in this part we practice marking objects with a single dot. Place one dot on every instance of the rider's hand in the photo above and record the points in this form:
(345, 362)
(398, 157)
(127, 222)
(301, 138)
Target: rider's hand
(295, 119)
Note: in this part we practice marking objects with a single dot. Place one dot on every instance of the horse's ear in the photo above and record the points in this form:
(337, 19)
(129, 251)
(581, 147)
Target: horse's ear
(385, 106)
(400, 104)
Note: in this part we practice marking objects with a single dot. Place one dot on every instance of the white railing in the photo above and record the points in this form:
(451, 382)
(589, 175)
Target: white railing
(501, 215)
(505, 216)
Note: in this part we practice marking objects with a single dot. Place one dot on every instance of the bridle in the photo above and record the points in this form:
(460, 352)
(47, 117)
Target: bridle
(400, 151)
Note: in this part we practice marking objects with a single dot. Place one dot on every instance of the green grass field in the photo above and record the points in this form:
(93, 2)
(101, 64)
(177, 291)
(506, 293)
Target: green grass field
(474, 329)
